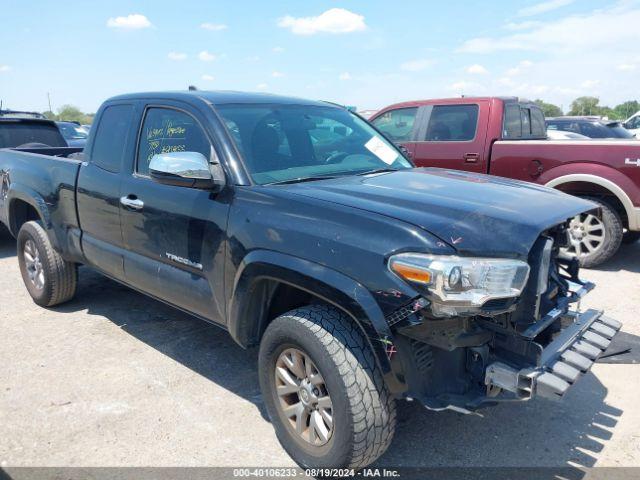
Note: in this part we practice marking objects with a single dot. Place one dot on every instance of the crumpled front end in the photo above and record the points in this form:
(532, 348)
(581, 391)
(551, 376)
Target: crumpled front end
(538, 344)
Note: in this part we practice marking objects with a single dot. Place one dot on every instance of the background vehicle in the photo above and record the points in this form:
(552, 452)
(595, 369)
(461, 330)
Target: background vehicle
(298, 227)
(508, 137)
(29, 133)
(562, 135)
(591, 127)
(633, 124)
(20, 114)
(75, 135)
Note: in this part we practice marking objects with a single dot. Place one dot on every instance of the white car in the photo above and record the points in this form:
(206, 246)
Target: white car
(633, 124)
(564, 135)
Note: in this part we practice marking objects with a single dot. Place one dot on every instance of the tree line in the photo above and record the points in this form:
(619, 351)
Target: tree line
(591, 106)
(69, 113)
(580, 106)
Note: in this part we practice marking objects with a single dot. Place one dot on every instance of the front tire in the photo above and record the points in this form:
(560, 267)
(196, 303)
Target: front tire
(317, 373)
(595, 239)
(50, 280)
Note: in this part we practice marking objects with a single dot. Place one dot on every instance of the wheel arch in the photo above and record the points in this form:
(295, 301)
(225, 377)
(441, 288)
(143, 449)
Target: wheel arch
(24, 205)
(269, 283)
(600, 185)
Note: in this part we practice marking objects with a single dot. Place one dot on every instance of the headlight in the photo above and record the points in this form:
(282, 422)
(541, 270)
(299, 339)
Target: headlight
(458, 285)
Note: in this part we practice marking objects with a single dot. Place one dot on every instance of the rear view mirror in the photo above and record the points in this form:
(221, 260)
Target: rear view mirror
(185, 169)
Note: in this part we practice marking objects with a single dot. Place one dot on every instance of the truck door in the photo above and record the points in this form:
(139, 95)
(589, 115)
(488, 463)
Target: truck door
(98, 191)
(400, 126)
(453, 136)
(174, 235)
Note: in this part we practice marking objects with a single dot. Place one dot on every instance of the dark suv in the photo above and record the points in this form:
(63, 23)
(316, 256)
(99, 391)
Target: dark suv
(591, 127)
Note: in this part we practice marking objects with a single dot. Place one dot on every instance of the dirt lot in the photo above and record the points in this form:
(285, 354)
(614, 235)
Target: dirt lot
(116, 379)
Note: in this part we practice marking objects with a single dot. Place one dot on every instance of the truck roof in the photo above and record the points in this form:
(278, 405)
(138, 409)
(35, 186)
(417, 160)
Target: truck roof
(221, 97)
(21, 114)
(453, 101)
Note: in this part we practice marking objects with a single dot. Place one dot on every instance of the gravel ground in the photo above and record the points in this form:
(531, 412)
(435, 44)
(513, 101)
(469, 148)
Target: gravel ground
(116, 379)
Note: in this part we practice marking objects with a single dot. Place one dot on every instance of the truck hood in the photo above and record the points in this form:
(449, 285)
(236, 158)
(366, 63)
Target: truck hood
(476, 214)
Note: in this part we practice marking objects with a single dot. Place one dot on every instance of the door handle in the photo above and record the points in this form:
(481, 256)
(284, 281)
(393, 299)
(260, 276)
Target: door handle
(471, 157)
(132, 202)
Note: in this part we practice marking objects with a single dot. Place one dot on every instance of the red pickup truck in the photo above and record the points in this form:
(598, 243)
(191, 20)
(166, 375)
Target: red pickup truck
(506, 136)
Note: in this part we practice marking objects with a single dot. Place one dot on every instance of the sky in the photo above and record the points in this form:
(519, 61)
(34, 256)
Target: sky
(365, 53)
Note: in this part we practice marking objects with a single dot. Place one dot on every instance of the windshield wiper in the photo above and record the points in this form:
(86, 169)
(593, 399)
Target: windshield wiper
(378, 170)
(304, 179)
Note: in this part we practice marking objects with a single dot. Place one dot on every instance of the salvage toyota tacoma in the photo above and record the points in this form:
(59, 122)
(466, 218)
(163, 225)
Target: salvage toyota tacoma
(299, 228)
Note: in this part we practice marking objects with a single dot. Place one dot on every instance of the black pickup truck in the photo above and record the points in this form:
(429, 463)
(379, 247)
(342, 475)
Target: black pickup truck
(298, 227)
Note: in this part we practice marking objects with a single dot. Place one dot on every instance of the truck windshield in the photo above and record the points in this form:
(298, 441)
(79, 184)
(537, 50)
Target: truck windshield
(71, 131)
(285, 143)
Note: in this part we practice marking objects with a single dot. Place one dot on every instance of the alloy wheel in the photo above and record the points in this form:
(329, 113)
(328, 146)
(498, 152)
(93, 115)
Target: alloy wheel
(586, 235)
(303, 397)
(33, 264)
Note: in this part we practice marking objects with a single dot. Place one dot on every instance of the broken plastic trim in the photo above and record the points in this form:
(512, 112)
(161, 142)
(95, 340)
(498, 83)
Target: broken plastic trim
(576, 290)
(562, 362)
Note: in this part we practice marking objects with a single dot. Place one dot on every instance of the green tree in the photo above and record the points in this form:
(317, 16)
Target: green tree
(70, 113)
(549, 109)
(50, 115)
(585, 106)
(607, 112)
(626, 109)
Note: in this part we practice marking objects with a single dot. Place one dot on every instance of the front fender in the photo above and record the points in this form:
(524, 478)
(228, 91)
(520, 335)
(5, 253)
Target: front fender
(245, 322)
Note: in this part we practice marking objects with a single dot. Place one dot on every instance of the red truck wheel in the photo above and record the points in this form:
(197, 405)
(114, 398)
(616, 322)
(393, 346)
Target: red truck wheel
(594, 239)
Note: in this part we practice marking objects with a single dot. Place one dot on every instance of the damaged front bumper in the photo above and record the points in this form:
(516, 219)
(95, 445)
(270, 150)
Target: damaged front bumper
(560, 364)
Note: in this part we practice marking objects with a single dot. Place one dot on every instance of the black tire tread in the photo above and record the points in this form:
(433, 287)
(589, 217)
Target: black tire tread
(373, 408)
(613, 222)
(62, 275)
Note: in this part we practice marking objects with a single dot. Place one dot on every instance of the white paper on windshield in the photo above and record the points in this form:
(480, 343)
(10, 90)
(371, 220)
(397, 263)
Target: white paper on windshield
(381, 150)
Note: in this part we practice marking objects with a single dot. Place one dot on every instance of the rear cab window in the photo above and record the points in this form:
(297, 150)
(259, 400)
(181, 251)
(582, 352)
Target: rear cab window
(14, 133)
(111, 137)
(452, 123)
(523, 122)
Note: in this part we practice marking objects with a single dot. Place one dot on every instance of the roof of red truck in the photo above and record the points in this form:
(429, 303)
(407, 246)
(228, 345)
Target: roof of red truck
(455, 100)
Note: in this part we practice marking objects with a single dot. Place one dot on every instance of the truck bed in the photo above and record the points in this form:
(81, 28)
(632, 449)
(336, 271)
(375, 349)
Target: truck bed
(43, 179)
(542, 161)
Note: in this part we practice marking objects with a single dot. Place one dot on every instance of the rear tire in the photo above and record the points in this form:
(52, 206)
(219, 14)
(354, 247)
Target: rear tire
(362, 413)
(595, 239)
(50, 280)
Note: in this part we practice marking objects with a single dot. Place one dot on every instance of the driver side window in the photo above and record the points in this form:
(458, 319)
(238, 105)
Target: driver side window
(397, 125)
(166, 130)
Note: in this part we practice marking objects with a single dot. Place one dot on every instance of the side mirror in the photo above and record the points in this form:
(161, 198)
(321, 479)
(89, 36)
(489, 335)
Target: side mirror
(186, 169)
